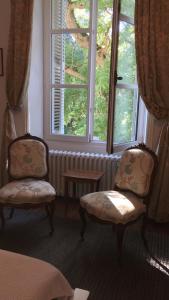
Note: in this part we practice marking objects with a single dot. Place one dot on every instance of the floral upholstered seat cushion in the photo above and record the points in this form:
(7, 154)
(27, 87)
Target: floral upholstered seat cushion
(134, 172)
(113, 206)
(27, 191)
(27, 159)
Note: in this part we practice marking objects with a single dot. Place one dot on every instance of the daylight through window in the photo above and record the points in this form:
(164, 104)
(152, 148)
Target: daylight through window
(81, 50)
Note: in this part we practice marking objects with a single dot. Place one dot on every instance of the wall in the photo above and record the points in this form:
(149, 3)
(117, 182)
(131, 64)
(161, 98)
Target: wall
(35, 90)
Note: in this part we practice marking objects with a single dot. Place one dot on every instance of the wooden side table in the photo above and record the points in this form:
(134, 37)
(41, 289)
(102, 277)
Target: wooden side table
(79, 176)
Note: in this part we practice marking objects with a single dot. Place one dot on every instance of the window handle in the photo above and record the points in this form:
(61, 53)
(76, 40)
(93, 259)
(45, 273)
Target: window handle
(119, 78)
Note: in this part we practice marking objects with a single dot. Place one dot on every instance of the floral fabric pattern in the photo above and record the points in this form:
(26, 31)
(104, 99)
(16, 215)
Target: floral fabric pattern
(152, 48)
(27, 159)
(113, 206)
(134, 172)
(27, 191)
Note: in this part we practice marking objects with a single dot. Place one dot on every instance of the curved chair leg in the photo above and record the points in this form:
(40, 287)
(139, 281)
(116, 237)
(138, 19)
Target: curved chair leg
(50, 208)
(2, 218)
(47, 210)
(11, 213)
(120, 229)
(83, 219)
(143, 231)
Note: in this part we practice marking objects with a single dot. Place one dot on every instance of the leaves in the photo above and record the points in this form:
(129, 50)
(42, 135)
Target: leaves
(76, 64)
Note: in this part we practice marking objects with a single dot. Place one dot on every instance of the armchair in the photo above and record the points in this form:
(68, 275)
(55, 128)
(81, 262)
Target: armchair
(128, 201)
(28, 185)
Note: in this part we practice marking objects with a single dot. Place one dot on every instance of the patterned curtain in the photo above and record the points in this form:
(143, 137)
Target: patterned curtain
(152, 54)
(17, 69)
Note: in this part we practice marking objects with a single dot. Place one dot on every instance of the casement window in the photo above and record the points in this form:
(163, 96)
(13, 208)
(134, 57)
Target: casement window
(91, 93)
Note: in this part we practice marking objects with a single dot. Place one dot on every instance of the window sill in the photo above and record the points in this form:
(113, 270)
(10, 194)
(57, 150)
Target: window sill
(77, 146)
(86, 147)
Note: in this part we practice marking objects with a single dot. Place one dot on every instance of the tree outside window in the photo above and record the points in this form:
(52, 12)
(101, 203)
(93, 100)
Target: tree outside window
(81, 41)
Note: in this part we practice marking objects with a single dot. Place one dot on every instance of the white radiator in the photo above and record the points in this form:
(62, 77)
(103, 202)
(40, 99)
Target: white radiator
(61, 161)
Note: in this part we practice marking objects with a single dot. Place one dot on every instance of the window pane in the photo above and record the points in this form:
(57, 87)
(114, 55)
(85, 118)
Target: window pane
(125, 115)
(69, 111)
(70, 14)
(69, 58)
(127, 7)
(103, 51)
(126, 66)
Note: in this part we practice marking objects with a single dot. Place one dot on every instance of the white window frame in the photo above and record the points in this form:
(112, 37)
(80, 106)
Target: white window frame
(77, 143)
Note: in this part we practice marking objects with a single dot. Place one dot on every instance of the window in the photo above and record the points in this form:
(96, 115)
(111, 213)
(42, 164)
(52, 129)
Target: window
(85, 101)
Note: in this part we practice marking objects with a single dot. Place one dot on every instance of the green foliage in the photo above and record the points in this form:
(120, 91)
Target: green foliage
(76, 58)
(126, 53)
(127, 7)
(124, 129)
(75, 106)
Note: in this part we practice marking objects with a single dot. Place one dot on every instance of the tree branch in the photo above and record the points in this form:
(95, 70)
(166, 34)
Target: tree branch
(74, 73)
(83, 39)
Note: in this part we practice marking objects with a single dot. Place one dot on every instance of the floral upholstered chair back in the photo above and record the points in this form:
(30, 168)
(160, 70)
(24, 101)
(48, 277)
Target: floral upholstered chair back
(135, 171)
(28, 158)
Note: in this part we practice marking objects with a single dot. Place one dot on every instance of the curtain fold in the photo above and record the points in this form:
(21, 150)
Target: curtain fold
(159, 208)
(152, 48)
(152, 56)
(17, 70)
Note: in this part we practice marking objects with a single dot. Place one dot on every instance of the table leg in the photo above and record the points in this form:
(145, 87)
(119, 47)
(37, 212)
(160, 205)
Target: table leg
(94, 186)
(97, 185)
(74, 190)
(66, 183)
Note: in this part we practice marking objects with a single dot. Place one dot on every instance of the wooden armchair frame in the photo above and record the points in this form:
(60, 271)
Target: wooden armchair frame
(120, 228)
(49, 206)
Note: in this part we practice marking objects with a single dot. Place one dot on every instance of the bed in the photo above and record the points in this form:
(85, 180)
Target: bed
(27, 278)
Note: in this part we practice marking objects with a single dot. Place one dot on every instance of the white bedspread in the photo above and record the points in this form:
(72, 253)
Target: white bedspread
(26, 278)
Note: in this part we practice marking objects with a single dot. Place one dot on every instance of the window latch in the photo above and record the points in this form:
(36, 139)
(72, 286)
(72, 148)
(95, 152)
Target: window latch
(117, 77)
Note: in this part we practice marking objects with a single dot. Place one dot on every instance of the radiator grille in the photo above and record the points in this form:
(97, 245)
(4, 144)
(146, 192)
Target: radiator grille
(61, 161)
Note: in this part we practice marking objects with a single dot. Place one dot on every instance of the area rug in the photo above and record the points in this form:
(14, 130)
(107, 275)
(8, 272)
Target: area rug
(92, 264)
